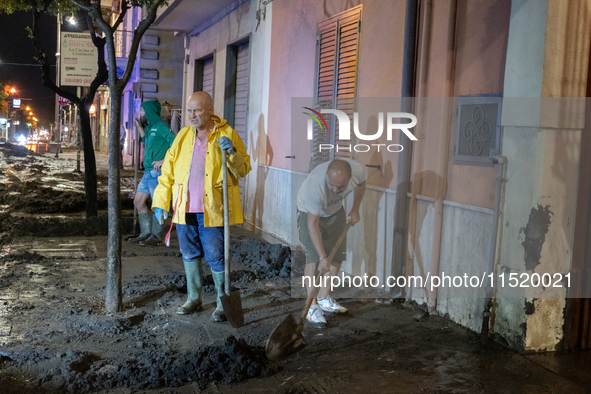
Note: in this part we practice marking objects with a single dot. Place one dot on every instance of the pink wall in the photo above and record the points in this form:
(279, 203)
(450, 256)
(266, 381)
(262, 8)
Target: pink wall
(481, 45)
(482, 34)
(293, 50)
(482, 31)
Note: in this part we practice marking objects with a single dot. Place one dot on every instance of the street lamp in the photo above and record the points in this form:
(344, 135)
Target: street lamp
(12, 90)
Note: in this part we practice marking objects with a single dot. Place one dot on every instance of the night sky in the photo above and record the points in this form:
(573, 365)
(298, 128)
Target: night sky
(17, 47)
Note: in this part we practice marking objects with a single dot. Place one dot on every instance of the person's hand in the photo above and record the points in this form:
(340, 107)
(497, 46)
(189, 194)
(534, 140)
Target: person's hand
(226, 144)
(138, 124)
(323, 265)
(157, 164)
(354, 217)
(161, 215)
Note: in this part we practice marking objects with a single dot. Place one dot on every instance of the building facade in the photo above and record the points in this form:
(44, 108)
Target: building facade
(523, 213)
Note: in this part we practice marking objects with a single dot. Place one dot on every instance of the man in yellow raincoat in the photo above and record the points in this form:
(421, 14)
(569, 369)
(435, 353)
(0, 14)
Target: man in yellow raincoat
(192, 174)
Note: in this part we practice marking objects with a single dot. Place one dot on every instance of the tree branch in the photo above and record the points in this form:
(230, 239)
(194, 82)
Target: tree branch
(102, 74)
(43, 60)
(97, 17)
(137, 35)
(82, 6)
(124, 8)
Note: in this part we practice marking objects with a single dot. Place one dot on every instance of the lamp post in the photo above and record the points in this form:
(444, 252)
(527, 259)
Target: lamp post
(58, 122)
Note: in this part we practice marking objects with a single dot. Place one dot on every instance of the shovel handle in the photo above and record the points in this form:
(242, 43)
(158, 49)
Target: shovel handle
(226, 223)
(315, 289)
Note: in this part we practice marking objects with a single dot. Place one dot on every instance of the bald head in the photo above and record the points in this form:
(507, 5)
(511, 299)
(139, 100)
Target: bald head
(339, 174)
(200, 109)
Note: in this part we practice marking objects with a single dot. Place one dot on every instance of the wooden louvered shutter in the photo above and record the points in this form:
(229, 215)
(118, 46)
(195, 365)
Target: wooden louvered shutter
(346, 78)
(337, 53)
(326, 42)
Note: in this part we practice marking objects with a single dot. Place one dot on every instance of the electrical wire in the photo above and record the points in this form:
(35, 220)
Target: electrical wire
(23, 64)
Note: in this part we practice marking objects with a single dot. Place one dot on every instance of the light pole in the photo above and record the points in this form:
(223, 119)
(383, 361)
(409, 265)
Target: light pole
(58, 122)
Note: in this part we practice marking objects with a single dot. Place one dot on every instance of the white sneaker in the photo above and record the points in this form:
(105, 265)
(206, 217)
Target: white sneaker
(315, 317)
(331, 306)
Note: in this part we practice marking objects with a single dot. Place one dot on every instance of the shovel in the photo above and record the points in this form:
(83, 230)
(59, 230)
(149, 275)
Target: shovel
(287, 337)
(231, 301)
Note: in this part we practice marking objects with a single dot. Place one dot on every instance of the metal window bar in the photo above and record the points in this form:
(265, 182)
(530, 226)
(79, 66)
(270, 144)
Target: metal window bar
(123, 40)
(176, 120)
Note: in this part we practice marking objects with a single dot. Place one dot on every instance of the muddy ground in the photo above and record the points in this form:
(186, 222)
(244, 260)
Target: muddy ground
(55, 335)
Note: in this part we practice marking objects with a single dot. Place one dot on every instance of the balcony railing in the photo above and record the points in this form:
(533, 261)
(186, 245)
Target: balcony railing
(123, 43)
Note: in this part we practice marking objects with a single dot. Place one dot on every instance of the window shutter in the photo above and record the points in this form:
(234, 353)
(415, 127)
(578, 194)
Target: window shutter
(327, 55)
(347, 76)
(336, 87)
(208, 75)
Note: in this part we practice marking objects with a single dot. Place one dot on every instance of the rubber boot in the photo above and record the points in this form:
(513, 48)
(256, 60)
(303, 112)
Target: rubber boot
(218, 314)
(145, 228)
(154, 238)
(194, 272)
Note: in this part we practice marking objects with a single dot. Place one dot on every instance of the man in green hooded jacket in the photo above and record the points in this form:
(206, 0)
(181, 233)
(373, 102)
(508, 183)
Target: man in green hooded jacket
(157, 138)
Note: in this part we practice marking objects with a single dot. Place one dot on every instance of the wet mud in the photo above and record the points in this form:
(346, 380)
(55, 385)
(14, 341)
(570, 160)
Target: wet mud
(56, 337)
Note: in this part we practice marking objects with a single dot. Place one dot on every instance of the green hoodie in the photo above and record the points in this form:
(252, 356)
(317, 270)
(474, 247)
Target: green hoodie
(158, 136)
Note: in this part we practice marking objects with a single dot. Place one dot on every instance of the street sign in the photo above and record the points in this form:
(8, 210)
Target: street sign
(78, 59)
(62, 101)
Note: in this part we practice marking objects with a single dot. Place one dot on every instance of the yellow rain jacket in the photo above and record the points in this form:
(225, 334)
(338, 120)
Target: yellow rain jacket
(175, 175)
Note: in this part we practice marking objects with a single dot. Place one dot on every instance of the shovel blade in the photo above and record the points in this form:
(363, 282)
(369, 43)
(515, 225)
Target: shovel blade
(233, 308)
(285, 340)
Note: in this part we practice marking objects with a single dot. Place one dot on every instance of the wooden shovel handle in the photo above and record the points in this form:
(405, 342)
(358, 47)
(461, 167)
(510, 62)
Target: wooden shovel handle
(226, 224)
(315, 289)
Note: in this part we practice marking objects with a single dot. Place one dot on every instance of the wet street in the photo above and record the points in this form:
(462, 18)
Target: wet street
(55, 335)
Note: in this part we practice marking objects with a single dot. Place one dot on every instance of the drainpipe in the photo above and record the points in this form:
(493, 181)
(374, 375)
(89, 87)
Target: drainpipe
(501, 162)
(425, 46)
(187, 51)
(404, 158)
(443, 154)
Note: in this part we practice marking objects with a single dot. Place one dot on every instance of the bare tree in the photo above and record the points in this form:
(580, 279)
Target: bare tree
(83, 103)
(116, 86)
(94, 18)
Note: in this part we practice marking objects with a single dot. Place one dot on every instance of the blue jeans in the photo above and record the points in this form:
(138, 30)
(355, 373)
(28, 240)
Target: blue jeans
(196, 241)
(149, 182)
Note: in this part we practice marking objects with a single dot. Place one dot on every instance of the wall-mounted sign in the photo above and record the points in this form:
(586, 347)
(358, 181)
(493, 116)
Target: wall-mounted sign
(62, 100)
(78, 64)
(16, 103)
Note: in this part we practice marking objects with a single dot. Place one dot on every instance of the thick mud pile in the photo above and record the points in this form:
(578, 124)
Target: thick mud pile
(61, 339)
(55, 335)
(43, 184)
(12, 226)
(81, 372)
(264, 259)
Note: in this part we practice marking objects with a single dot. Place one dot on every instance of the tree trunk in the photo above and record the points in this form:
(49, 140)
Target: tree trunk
(113, 296)
(90, 186)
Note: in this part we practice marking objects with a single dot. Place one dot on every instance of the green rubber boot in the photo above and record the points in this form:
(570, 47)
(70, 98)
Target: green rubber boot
(194, 272)
(145, 228)
(218, 314)
(154, 238)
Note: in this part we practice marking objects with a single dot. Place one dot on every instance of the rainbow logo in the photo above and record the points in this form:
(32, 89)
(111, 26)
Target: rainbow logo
(317, 116)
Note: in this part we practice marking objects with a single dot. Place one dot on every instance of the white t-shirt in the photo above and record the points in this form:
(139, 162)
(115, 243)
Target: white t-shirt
(315, 196)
